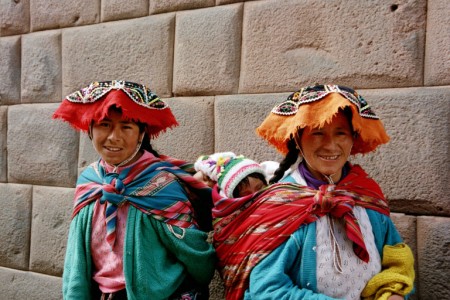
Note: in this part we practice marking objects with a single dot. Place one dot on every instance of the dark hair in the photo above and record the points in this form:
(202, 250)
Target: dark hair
(145, 145)
(292, 155)
(245, 181)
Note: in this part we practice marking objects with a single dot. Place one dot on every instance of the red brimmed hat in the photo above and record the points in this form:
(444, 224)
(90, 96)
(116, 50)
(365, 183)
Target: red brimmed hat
(137, 103)
(316, 106)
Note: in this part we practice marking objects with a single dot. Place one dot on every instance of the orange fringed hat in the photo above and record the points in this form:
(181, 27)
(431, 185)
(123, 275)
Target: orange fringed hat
(314, 107)
(137, 102)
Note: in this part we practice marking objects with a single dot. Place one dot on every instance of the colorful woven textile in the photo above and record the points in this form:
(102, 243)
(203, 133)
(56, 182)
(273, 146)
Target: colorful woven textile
(251, 227)
(140, 185)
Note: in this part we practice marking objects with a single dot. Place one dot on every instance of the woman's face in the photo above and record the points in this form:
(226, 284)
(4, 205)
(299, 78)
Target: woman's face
(115, 139)
(327, 149)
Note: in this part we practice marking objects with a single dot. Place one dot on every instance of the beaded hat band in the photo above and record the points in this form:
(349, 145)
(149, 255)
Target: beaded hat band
(316, 106)
(136, 101)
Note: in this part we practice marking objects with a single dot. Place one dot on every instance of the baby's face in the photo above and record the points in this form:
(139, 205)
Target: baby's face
(253, 185)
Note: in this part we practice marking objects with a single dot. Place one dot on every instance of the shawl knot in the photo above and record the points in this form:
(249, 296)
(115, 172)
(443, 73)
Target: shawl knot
(113, 189)
(327, 200)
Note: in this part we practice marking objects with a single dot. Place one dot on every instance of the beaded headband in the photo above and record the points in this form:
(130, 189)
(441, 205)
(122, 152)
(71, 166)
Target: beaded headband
(314, 106)
(136, 102)
(137, 92)
(310, 94)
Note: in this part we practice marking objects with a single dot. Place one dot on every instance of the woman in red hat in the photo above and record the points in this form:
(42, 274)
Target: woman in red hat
(139, 219)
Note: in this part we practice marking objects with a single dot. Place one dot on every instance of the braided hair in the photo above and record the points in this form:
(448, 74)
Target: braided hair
(290, 158)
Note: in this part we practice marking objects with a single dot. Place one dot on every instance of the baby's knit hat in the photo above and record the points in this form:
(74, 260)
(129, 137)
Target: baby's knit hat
(227, 169)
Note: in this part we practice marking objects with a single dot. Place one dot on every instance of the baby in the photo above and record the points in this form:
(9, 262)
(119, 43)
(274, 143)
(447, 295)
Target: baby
(235, 176)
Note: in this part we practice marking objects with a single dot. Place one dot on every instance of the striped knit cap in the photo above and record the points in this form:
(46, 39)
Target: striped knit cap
(233, 170)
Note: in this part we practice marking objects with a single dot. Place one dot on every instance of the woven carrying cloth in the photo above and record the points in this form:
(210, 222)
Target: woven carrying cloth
(137, 102)
(251, 227)
(140, 185)
(316, 106)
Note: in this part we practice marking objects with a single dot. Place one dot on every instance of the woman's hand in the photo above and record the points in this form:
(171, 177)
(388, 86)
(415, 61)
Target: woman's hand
(395, 297)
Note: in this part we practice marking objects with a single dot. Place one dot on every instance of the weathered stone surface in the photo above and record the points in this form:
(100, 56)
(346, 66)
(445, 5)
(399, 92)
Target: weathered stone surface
(288, 44)
(437, 50)
(41, 150)
(10, 70)
(3, 129)
(18, 285)
(15, 222)
(41, 67)
(161, 6)
(412, 168)
(64, 13)
(237, 117)
(207, 51)
(52, 210)
(195, 134)
(216, 289)
(139, 50)
(14, 17)
(112, 10)
(433, 247)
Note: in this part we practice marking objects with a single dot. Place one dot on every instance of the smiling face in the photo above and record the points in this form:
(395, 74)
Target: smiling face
(115, 139)
(327, 149)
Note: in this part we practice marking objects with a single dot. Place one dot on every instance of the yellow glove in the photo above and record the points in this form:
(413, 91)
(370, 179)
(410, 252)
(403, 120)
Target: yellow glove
(396, 277)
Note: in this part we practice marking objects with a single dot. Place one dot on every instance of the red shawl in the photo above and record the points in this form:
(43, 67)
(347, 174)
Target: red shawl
(252, 226)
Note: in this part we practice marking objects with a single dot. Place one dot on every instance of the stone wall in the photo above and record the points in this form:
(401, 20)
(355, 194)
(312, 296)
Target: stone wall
(221, 65)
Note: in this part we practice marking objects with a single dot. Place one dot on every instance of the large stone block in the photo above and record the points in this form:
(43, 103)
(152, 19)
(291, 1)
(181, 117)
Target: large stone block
(10, 70)
(413, 167)
(52, 210)
(161, 6)
(139, 50)
(3, 129)
(41, 151)
(51, 14)
(207, 51)
(112, 10)
(41, 67)
(15, 222)
(195, 134)
(437, 50)
(365, 44)
(433, 244)
(237, 117)
(14, 17)
(87, 153)
(17, 285)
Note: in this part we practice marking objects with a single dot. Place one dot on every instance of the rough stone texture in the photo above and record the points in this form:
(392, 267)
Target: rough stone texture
(139, 50)
(18, 285)
(437, 47)
(161, 6)
(237, 117)
(40, 150)
(216, 288)
(64, 13)
(14, 17)
(433, 247)
(207, 51)
(10, 70)
(413, 167)
(288, 44)
(41, 67)
(112, 10)
(195, 134)
(15, 223)
(52, 210)
(3, 129)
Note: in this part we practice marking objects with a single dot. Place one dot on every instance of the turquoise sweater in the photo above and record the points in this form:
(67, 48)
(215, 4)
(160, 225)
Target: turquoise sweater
(156, 262)
(289, 272)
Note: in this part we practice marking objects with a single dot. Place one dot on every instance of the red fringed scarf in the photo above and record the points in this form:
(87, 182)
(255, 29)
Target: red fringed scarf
(251, 227)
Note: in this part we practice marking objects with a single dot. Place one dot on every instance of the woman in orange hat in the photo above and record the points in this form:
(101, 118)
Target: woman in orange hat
(139, 218)
(322, 229)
